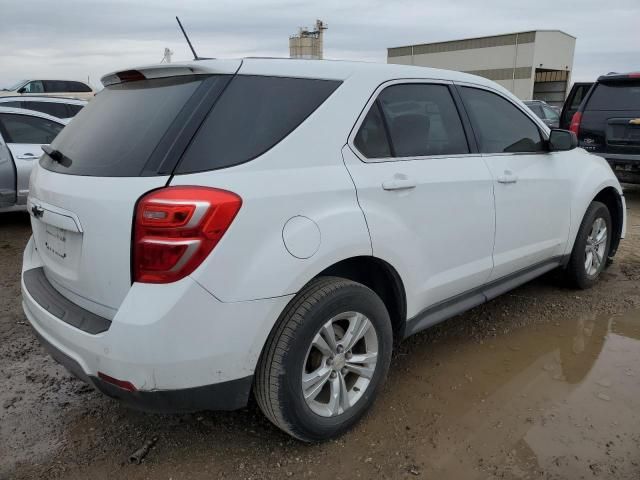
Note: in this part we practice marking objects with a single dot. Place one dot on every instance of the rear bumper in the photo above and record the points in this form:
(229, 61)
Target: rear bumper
(180, 347)
(229, 395)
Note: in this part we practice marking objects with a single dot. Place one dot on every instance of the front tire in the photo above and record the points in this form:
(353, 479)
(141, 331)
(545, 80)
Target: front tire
(323, 365)
(591, 248)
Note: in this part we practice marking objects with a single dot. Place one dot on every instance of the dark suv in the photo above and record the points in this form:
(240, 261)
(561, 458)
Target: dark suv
(607, 123)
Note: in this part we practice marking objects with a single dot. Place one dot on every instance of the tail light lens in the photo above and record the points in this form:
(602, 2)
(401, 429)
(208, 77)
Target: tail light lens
(575, 122)
(175, 229)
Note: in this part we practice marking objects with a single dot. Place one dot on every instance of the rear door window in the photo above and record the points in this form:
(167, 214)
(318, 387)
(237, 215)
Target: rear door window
(252, 115)
(422, 120)
(615, 96)
(499, 125)
(28, 129)
(117, 132)
(55, 86)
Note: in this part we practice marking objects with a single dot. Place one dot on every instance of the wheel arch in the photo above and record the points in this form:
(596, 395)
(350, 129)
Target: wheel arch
(382, 278)
(612, 199)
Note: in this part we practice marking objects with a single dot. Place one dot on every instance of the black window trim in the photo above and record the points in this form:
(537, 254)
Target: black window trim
(373, 100)
(543, 129)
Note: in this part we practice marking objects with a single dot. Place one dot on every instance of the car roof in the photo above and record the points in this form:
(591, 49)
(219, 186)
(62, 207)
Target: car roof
(32, 113)
(36, 98)
(320, 69)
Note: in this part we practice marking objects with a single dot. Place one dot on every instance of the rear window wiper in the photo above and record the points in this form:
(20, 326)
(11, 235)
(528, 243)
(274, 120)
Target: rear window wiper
(56, 155)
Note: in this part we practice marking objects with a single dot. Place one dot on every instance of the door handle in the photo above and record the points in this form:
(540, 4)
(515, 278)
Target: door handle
(507, 177)
(399, 184)
(27, 156)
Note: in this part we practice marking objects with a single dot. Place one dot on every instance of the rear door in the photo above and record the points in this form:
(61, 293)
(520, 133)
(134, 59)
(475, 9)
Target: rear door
(572, 103)
(532, 186)
(25, 135)
(426, 195)
(123, 144)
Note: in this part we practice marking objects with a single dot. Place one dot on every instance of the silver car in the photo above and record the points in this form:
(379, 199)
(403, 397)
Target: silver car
(22, 135)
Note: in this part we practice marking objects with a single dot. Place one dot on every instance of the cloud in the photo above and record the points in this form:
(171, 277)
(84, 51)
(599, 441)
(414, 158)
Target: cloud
(76, 39)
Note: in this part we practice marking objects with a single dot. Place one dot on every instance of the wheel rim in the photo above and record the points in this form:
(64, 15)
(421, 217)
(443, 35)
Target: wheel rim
(339, 364)
(596, 246)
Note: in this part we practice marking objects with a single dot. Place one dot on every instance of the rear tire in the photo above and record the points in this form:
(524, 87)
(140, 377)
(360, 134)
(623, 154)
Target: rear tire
(591, 248)
(299, 371)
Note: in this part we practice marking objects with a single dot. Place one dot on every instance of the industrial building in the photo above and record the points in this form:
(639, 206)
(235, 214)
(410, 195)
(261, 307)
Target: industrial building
(307, 43)
(532, 65)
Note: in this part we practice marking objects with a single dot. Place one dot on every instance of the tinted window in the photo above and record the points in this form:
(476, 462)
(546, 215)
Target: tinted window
(27, 129)
(77, 87)
(56, 109)
(11, 104)
(615, 96)
(371, 139)
(34, 87)
(578, 96)
(73, 110)
(422, 120)
(499, 125)
(55, 86)
(252, 115)
(116, 133)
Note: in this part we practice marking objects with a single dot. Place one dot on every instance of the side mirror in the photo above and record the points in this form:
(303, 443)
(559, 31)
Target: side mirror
(562, 140)
(22, 90)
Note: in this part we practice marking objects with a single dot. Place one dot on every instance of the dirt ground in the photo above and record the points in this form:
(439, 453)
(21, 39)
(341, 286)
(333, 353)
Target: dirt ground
(543, 382)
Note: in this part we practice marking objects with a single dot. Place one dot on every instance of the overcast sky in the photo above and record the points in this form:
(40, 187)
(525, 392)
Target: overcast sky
(76, 39)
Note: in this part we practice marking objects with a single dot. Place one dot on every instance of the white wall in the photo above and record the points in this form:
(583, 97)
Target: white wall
(554, 50)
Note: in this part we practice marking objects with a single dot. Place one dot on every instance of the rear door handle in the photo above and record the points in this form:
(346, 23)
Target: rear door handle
(399, 184)
(507, 177)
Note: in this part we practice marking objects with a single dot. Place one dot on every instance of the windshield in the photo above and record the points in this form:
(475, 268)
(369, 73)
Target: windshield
(15, 86)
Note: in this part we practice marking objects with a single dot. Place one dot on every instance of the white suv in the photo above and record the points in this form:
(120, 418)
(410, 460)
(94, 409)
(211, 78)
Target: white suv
(220, 227)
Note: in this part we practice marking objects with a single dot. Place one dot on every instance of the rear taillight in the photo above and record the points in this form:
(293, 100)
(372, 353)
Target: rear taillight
(175, 228)
(575, 123)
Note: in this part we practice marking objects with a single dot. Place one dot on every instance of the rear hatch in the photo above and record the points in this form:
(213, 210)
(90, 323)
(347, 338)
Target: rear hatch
(124, 143)
(610, 121)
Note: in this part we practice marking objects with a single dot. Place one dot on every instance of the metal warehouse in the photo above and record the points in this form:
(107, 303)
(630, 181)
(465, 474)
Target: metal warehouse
(532, 65)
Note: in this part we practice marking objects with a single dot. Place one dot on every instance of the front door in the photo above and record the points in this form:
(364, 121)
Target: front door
(427, 198)
(532, 186)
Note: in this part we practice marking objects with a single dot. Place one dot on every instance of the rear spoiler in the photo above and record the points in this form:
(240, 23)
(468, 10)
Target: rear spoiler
(619, 77)
(202, 67)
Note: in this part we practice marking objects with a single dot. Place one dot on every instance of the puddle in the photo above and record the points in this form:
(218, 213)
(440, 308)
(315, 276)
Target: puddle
(559, 399)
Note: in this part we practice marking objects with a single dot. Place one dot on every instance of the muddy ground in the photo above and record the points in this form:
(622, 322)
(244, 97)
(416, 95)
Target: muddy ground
(543, 382)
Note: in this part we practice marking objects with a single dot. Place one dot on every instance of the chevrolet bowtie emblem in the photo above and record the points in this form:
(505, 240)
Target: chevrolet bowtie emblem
(37, 211)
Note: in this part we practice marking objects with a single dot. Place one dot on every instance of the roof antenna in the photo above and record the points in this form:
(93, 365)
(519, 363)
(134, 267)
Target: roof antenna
(195, 55)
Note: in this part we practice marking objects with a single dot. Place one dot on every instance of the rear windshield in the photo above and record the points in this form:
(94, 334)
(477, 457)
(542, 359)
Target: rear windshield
(117, 132)
(615, 96)
(253, 114)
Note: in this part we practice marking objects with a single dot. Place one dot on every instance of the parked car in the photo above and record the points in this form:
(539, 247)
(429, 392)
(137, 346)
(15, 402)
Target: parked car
(548, 114)
(59, 107)
(607, 123)
(271, 226)
(22, 134)
(574, 99)
(59, 88)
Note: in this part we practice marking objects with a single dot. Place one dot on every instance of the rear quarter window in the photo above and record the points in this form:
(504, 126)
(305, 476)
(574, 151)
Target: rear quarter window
(252, 115)
(615, 96)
